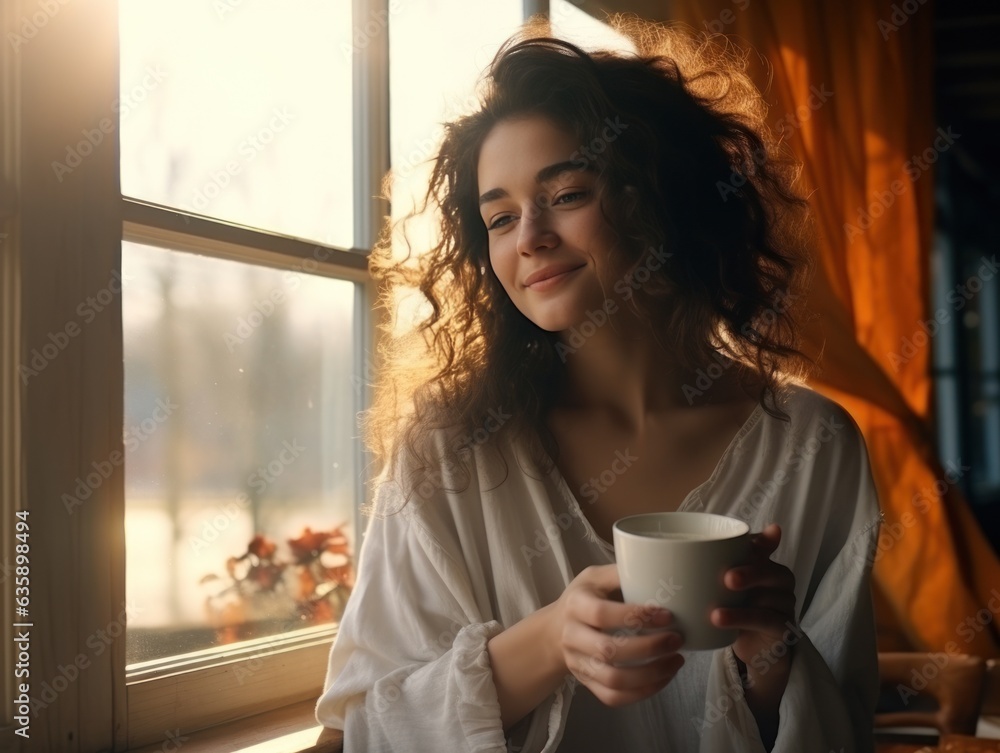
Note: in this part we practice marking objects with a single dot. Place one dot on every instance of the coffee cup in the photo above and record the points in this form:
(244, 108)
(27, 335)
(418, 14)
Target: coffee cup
(677, 561)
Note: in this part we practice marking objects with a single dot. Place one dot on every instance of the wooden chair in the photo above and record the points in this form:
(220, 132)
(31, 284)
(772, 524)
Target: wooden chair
(990, 705)
(955, 684)
(964, 744)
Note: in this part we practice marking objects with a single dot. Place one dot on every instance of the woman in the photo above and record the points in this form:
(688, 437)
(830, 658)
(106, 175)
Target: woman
(608, 331)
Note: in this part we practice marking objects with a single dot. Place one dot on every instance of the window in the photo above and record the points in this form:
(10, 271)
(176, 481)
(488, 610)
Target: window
(185, 305)
(242, 350)
(963, 323)
(962, 326)
(242, 112)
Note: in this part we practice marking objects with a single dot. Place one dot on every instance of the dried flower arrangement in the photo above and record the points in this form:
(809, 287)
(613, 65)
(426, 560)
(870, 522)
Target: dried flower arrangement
(309, 589)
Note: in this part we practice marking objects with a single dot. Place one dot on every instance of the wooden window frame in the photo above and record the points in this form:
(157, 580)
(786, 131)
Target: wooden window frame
(60, 243)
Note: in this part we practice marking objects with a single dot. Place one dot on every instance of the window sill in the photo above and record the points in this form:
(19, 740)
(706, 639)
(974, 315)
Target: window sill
(292, 729)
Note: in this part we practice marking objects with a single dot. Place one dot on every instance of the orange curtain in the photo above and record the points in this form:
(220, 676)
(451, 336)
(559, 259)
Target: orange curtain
(850, 85)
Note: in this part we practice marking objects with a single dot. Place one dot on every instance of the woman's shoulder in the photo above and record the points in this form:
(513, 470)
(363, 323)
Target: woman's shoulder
(825, 438)
(445, 473)
(816, 478)
(814, 415)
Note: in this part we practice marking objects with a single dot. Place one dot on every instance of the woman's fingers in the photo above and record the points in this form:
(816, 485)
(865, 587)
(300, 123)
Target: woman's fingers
(627, 678)
(767, 613)
(767, 540)
(615, 698)
(622, 652)
(621, 647)
(761, 575)
(601, 578)
(624, 684)
(592, 608)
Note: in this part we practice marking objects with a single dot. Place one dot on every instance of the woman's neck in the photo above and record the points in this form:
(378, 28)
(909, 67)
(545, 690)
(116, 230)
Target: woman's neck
(628, 373)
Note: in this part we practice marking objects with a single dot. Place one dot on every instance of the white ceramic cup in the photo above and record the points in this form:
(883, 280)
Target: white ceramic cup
(677, 560)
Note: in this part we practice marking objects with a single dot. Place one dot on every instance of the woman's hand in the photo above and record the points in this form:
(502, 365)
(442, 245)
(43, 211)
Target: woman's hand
(765, 624)
(598, 642)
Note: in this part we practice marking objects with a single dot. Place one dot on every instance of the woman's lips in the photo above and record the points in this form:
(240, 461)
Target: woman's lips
(550, 282)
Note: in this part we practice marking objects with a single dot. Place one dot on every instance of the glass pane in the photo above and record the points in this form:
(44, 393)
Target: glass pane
(430, 82)
(240, 472)
(240, 111)
(986, 408)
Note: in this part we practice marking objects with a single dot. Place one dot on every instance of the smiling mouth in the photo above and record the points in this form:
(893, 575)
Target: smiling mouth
(554, 280)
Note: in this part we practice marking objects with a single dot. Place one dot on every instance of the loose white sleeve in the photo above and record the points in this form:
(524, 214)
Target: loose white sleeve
(829, 701)
(409, 668)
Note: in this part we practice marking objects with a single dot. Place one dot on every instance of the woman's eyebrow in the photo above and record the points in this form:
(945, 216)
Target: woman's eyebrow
(553, 171)
(544, 175)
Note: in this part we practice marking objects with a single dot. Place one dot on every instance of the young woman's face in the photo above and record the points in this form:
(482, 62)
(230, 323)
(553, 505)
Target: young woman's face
(548, 239)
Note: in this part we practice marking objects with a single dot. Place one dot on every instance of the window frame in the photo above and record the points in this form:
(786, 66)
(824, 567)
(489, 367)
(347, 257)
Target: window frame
(58, 246)
(219, 684)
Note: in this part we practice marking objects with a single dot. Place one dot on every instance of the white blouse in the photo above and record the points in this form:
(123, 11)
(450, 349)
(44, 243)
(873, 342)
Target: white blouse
(465, 558)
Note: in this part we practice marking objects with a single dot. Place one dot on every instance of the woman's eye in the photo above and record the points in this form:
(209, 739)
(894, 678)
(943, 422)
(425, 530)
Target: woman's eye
(571, 196)
(499, 222)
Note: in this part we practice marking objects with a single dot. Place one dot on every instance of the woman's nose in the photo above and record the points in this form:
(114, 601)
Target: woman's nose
(535, 231)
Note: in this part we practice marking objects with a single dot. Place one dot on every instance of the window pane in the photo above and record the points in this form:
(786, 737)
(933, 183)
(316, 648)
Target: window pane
(240, 405)
(240, 111)
(430, 82)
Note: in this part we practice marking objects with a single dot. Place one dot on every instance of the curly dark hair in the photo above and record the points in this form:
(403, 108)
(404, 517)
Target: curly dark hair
(716, 190)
